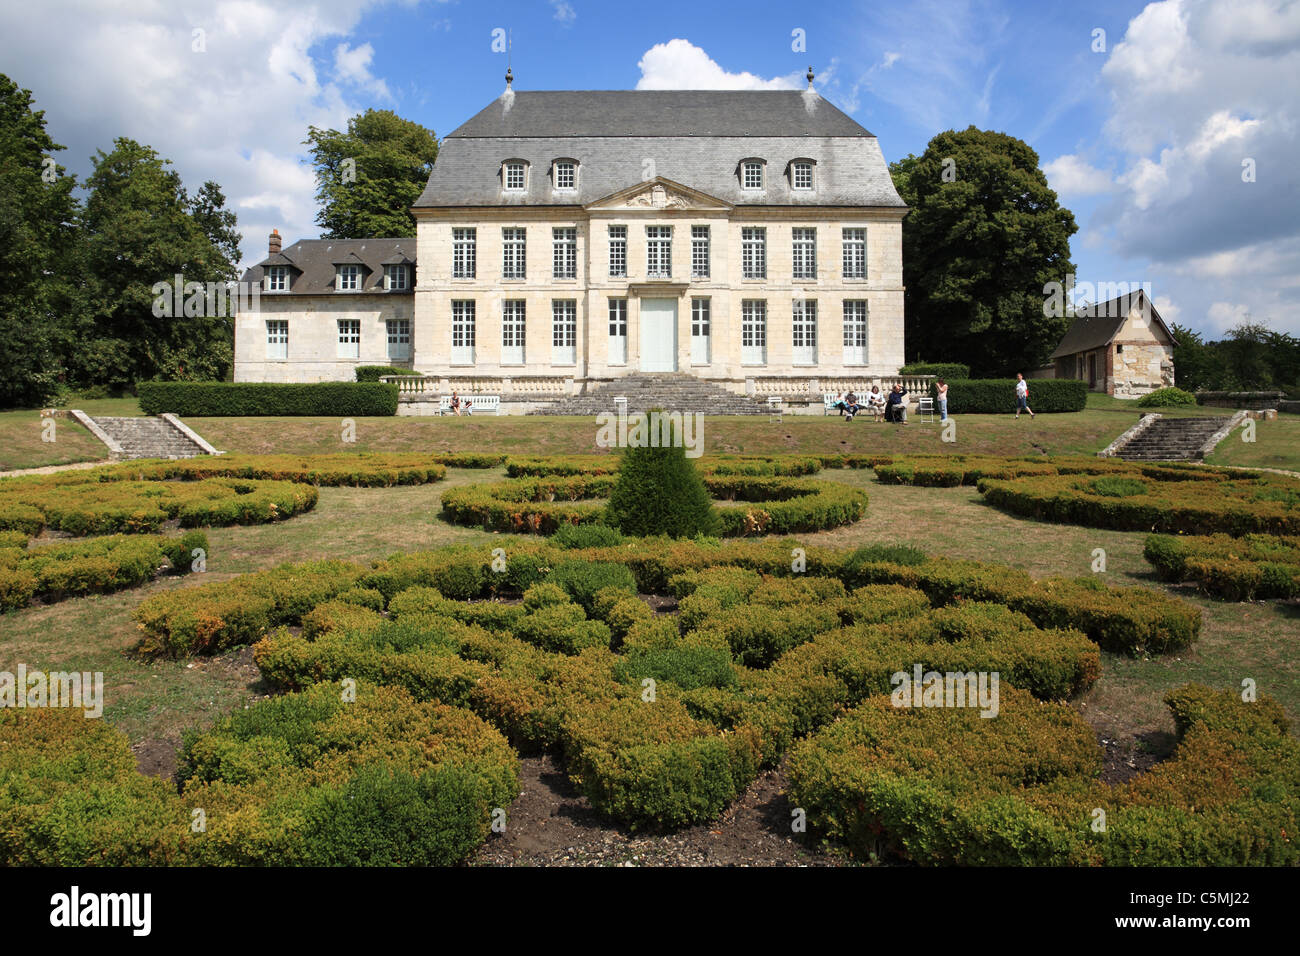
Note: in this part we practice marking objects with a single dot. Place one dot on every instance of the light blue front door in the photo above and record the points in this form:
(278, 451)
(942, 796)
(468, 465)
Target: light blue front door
(658, 336)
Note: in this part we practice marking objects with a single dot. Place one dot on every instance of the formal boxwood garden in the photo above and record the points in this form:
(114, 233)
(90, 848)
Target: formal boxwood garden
(233, 399)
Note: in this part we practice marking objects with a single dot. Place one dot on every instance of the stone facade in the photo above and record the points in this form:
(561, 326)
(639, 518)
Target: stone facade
(1125, 351)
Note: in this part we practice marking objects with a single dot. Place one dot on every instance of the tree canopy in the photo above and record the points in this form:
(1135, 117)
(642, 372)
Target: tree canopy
(984, 235)
(368, 177)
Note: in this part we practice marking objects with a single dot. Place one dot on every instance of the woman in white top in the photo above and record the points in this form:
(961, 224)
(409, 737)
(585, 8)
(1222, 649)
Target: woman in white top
(1022, 396)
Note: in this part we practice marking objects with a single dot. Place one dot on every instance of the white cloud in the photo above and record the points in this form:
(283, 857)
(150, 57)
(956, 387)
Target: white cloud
(1168, 311)
(681, 65)
(236, 113)
(352, 64)
(1071, 176)
(564, 12)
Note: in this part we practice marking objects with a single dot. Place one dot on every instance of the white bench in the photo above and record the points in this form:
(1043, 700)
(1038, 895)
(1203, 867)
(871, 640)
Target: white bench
(829, 401)
(471, 404)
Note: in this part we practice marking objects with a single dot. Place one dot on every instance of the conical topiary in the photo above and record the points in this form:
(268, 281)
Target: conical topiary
(660, 492)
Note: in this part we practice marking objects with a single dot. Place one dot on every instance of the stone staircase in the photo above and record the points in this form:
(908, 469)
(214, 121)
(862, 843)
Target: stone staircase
(1171, 439)
(670, 391)
(149, 438)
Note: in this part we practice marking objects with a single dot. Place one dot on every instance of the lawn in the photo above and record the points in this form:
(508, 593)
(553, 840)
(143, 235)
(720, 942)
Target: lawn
(154, 701)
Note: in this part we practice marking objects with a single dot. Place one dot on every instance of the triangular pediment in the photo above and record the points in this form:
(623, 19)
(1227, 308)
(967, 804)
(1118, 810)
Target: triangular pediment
(660, 193)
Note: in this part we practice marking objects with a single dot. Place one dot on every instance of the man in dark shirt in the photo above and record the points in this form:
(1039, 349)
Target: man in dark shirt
(851, 406)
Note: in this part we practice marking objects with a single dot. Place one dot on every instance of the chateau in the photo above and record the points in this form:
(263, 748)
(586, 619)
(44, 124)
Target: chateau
(564, 239)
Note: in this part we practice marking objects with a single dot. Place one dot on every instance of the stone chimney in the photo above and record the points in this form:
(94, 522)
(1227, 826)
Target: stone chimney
(274, 244)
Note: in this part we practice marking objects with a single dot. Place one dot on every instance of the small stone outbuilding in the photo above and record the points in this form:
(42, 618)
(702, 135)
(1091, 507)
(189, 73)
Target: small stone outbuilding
(1121, 347)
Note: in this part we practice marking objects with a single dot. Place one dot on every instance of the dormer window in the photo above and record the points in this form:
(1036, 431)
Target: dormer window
(751, 174)
(566, 174)
(801, 174)
(514, 177)
(277, 279)
(348, 279)
(396, 278)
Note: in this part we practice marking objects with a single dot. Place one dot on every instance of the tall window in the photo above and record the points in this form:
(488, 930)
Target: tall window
(566, 175)
(512, 332)
(277, 279)
(855, 253)
(617, 252)
(396, 278)
(349, 338)
(753, 252)
(277, 338)
(659, 256)
(464, 253)
(564, 243)
(802, 176)
(804, 327)
(564, 331)
(700, 252)
(751, 175)
(349, 279)
(462, 331)
(700, 331)
(513, 253)
(805, 253)
(399, 339)
(618, 331)
(855, 332)
(753, 332)
(514, 177)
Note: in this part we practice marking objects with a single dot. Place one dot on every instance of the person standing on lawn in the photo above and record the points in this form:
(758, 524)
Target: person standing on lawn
(1022, 396)
(941, 390)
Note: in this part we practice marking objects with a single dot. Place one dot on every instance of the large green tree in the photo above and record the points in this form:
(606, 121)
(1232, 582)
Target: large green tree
(368, 177)
(984, 235)
(139, 228)
(37, 251)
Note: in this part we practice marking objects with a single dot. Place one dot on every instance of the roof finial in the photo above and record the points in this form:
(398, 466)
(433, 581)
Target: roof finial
(810, 77)
(510, 77)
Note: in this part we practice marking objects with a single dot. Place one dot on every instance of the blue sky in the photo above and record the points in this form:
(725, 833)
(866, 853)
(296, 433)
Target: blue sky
(1142, 130)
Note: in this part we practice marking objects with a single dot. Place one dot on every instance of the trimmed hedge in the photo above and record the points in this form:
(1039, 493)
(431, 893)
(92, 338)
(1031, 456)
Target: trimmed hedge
(937, 785)
(993, 396)
(544, 505)
(98, 566)
(232, 399)
(947, 371)
(372, 373)
(1165, 500)
(1249, 568)
(354, 469)
(105, 502)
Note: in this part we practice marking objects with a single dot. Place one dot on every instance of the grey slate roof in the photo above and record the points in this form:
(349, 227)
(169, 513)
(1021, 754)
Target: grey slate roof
(1097, 325)
(315, 259)
(693, 137)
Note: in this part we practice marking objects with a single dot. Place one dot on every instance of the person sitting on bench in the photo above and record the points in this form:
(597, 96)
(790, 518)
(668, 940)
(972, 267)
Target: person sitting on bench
(895, 407)
(455, 402)
(851, 406)
(876, 403)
